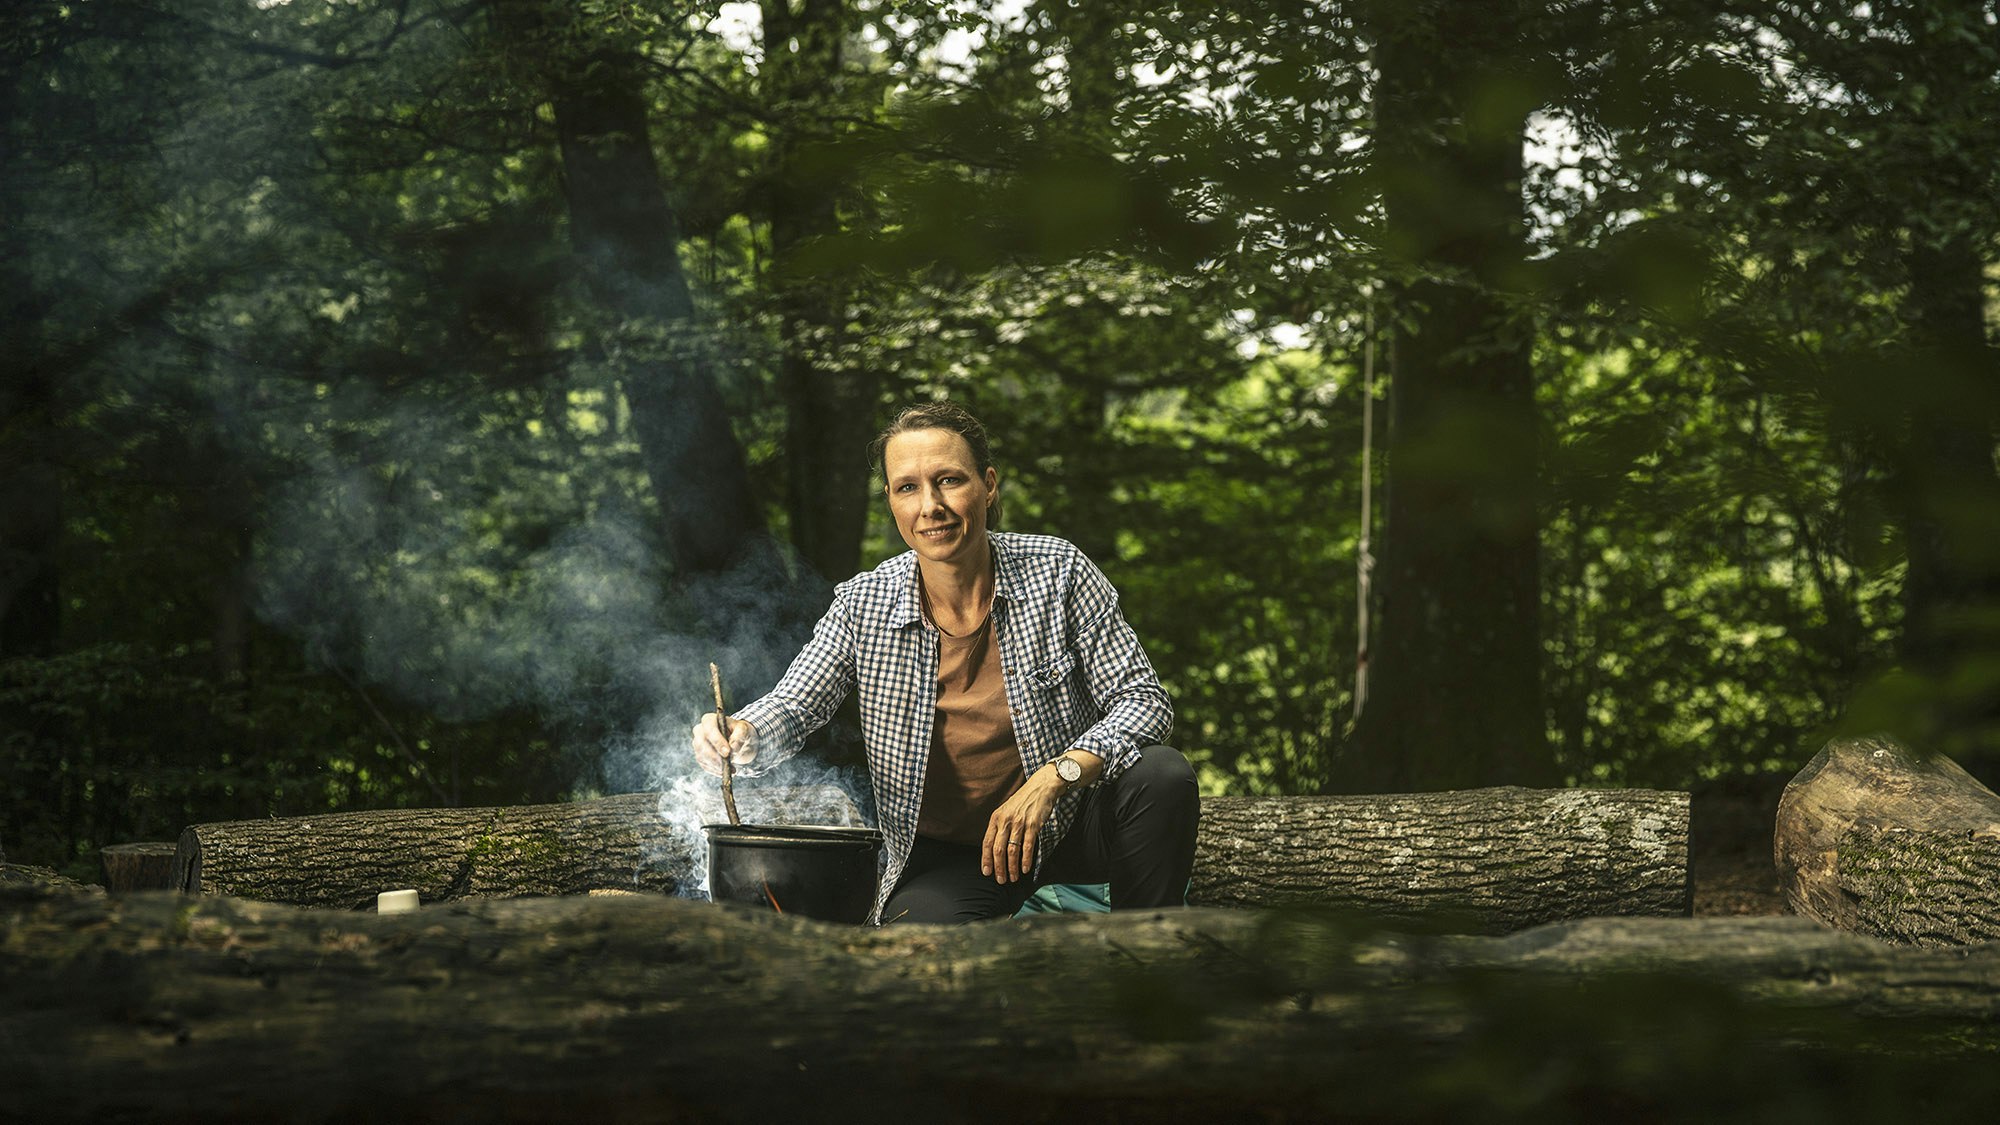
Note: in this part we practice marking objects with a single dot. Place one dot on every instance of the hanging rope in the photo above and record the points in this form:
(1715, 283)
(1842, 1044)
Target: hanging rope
(1364, 558)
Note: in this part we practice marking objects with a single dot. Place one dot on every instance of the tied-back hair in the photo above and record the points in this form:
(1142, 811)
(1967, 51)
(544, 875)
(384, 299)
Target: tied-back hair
(942, 415)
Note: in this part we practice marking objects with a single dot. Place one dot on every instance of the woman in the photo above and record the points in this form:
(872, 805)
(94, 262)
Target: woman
(1012, 720)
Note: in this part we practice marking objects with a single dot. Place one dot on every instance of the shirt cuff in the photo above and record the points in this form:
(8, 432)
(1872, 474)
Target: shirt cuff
(778, 734)
(1118, 753)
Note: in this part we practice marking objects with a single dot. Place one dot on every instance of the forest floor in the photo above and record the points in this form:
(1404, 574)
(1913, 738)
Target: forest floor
(1729, 846)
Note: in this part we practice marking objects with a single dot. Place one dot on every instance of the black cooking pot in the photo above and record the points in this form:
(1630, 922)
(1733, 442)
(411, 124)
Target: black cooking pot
(820, 871)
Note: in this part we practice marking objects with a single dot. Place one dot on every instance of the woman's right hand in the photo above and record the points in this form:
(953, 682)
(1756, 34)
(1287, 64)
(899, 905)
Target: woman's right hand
(709, 748)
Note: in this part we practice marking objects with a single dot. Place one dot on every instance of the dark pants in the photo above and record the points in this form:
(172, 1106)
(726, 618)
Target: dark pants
(1135, 832)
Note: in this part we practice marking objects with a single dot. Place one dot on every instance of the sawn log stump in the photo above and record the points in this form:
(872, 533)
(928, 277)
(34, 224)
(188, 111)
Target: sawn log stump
(1880, 839)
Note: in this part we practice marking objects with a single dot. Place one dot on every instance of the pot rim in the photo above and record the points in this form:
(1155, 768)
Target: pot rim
(793, 835)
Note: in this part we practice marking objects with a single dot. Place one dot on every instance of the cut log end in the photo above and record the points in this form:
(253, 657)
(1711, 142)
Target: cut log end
(1875, 837)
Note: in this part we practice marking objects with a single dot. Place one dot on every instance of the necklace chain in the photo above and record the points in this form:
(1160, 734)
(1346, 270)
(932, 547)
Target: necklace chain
(930, 611)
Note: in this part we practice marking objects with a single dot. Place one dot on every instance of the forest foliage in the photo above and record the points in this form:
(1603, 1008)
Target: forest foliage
(404, 401)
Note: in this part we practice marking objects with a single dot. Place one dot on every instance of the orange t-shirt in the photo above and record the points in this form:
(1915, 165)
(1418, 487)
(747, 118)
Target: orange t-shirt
(974, 763)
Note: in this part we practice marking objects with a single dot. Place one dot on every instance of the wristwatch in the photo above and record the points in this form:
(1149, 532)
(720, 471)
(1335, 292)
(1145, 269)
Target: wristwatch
(1068, 769)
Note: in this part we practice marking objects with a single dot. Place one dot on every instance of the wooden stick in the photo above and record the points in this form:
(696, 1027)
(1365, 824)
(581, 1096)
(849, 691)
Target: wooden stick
(728, 765)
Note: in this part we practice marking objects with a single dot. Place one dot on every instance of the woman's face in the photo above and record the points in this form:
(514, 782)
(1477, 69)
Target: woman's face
(939, 500)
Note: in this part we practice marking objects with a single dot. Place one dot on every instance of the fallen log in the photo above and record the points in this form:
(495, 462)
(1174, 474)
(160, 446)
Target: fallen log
(42, 878)
(343, 860)
(1473, 860)
(631, 1007)
(1880, 839)
(1481, 860)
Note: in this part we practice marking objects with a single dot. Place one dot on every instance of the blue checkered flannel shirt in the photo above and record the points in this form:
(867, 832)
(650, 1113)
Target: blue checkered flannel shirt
(1076, 677)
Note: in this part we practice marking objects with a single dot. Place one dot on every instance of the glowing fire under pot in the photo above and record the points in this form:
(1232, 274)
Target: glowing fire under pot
(820, 871)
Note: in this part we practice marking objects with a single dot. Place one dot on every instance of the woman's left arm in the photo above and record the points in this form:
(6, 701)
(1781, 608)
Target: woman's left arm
(1121, 681)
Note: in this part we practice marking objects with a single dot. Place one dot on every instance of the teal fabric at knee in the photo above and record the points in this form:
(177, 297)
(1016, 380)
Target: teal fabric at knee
(1068, 898)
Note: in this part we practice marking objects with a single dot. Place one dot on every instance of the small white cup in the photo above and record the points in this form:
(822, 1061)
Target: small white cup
(396, 902)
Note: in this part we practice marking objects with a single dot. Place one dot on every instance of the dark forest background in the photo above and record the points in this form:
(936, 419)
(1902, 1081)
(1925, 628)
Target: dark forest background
(403, 401)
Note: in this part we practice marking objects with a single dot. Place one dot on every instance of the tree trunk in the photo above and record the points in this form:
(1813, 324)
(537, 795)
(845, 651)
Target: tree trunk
(830, 404)
(644, 1008)
(343, 860)
(627, 238)
(1479, 860)
(1878, 839)
(1483, 860)
(1949, 493)
(31, 506)
(1454, 694)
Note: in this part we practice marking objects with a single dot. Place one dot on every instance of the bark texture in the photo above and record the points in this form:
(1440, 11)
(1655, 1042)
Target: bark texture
(1484, 861)
(1882, 840)
(627, 1007)
(138, 867)
(1477, 860)
(343, 860)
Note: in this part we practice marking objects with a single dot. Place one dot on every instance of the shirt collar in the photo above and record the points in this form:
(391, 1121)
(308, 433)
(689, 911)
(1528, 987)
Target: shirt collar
(1005, 568)
(908, 612)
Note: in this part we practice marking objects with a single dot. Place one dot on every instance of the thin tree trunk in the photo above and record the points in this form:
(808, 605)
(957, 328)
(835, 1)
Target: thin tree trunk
(31, 499)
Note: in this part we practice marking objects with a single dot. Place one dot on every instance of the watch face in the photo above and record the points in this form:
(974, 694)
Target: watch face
(1067, 769)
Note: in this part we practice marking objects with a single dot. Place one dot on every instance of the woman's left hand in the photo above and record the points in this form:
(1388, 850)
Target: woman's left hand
(1008, 852)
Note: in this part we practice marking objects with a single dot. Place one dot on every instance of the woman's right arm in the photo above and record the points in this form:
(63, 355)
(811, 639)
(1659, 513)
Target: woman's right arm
(770, 729)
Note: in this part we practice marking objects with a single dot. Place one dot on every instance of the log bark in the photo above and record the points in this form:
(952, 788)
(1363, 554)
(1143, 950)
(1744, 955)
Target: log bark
(1476, 860)
(19, 875)
(1880, 839)
(137, 867)
(1479, 861)
(629, 1007)
(343, 860)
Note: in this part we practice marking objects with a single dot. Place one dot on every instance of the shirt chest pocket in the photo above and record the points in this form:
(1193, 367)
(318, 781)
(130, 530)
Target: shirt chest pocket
(1058, 697)
(1053, 674)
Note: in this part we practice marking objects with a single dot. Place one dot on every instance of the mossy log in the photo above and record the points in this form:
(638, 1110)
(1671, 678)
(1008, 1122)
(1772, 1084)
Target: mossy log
(631, 1007)
(1878, 838)
(1472, 860)
(344, 860)
(1483, 860)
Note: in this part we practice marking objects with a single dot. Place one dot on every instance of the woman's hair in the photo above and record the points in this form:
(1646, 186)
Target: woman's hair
(948, 416)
